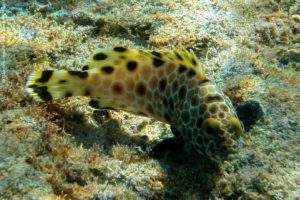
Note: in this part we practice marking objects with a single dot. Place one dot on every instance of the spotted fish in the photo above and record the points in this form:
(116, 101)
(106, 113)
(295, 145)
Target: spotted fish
(169, 86)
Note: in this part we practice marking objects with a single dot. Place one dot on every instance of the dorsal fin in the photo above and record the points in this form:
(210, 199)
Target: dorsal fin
(188, 59)
(183, 57)
(121, 56)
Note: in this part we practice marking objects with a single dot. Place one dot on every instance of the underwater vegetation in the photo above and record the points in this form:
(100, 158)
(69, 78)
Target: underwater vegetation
(63, 149)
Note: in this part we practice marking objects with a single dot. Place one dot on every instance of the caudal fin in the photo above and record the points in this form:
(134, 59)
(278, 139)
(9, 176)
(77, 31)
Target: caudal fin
(50, 85)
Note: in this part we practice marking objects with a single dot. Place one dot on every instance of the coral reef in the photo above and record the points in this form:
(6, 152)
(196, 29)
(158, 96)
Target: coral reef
(65, 150)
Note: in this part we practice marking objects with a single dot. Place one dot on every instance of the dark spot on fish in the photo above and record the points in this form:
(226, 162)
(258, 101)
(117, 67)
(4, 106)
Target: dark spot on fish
(162, 84)
(85, 67)
(195, 100)
(46, 75)
(204, 81)
(155, 53)
(182, 68)
(224, 108)
(80, 74)
(157, 62)
(178, 56)
(120, 49)
(100, 56)
(191, 73)
(43, 93)
(213, 98)
(175, 86)
(202, 109)
(213, 109)
(131, 66)
(194, 61)
(221, 115)
(182, 92)
(107, 69)
(141, 89)
(118, 89)
(150, 109)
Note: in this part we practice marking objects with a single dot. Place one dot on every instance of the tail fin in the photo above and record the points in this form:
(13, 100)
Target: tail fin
(49, 85)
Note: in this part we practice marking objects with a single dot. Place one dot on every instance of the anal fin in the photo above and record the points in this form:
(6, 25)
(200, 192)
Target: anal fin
(112, 104)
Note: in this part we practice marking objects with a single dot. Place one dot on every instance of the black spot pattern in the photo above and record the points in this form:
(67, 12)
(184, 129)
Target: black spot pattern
(175, 86)
(204, 81)
(120, 49)
(107, 69)
(118, 89)
(195, 100)
(132, 65)
(141, 89)
(42, 92)
(162, 84)
(216, 98)
(178, 56)
(157, 62)
(194, 61)
(182, 69)
(191, 73)
(80, 74)
(100, 56)
(182, 92)
(155, 53)
(85, 67)
(46, 75)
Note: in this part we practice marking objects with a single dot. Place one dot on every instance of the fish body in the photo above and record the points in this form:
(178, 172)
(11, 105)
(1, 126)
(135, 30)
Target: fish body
(169, 86)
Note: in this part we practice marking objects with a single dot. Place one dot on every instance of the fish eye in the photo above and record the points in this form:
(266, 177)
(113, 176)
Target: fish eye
(236, 125)
(210, 128)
